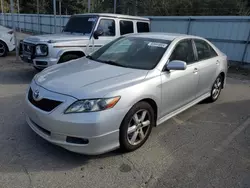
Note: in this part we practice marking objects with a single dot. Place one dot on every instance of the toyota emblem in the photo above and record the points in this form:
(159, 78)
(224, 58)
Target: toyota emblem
(36, 95)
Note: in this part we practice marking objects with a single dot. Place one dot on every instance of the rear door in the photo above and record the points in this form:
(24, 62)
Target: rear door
(208, 63)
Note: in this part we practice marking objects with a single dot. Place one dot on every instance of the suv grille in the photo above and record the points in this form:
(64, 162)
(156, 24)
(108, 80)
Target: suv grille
(28, 48)
(43, 104)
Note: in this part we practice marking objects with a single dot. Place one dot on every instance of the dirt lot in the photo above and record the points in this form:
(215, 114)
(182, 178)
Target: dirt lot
(206, 146)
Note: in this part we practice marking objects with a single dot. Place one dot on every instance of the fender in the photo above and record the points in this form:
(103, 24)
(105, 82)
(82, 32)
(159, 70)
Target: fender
(71, 49)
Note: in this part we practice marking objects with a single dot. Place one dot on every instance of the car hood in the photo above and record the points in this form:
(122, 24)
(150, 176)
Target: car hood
(54, 38)
(84, 78)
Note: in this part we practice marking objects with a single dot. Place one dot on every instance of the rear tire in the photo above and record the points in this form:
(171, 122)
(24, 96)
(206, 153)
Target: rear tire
(216, 89)
(3, 49)
(136, 126)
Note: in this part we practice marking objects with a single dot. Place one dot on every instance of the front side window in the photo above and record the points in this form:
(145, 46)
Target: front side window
(183, 52)
(132, 52)
(108, 27)
(80, 24)
(126, 27)
(142, 27)
(204, 50)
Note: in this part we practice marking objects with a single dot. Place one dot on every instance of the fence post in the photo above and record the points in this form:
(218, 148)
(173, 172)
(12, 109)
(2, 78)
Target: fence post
(189, 23)
(50, 25)
(246, 46)
(24, 22)
(32, 27)
(40, 24)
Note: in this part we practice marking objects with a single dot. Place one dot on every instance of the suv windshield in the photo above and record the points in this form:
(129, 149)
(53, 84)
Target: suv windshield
(132, 52)
(80, 24)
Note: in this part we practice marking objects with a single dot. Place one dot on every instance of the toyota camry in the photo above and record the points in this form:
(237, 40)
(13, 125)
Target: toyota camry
(113, 97)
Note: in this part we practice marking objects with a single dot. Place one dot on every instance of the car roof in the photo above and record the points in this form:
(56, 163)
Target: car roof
(161, 35)
(115, 16)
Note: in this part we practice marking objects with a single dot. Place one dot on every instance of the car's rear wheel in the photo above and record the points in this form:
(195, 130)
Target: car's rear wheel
(136, 126)
(216, 89)
(3, 49)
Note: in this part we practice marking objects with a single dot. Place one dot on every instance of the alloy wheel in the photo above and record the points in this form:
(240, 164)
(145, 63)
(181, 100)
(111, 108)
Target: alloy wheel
(138, 127)
(217, 88)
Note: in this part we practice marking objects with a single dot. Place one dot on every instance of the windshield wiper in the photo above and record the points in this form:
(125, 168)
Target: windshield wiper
(90, 57)
(113, 63)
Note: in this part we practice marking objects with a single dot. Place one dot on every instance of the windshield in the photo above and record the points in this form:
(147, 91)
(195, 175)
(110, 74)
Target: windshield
(80, 24)
(132, 52)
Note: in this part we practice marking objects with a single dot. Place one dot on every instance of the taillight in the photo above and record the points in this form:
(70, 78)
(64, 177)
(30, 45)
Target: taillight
(10, 32)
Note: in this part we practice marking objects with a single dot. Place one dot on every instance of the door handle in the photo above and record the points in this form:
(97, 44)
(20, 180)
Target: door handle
(195, 70)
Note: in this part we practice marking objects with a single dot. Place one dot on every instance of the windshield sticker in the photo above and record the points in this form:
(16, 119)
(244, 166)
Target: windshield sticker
(157, 44)
(91, 19)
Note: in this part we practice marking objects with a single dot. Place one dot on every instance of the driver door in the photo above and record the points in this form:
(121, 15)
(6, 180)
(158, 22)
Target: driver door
(108, 26)
(179, 87)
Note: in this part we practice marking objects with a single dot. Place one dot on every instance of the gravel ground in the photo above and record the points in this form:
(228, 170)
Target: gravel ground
(206, 146)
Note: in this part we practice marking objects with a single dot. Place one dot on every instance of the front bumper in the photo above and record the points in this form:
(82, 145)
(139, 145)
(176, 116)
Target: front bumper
(101, 129)
(39, 62)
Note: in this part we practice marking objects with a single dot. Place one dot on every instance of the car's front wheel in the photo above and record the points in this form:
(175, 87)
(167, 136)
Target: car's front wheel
(136, 126)
(3, 49)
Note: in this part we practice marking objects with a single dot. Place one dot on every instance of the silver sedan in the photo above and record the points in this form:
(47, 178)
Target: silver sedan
(115, 96)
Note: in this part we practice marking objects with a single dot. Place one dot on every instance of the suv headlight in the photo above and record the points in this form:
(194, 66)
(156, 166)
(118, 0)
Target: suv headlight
(41, 50)
(92, 105)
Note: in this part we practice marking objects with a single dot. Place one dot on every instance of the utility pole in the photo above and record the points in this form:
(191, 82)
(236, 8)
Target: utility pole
(54, 7)
(60, 12)
(38, 15)
(114, 6)
(3, 20)
(14, 27)
(89, 3)
(18, 16)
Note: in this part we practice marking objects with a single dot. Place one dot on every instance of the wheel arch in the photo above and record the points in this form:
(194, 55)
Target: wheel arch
(80, 53)
(223, 78)
(153, 104)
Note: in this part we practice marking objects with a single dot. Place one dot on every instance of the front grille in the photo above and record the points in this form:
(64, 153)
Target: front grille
(28, 48)
(43, 104)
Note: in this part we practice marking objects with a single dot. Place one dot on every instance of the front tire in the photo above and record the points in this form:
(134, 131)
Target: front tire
(136, 126)
(3, 49)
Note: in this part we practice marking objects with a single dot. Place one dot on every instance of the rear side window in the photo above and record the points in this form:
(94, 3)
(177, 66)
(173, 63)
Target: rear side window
(204, 50)
(126, 27)
(142, 27)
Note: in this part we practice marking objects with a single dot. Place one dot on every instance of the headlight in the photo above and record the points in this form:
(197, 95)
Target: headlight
(92, 105)
(41, 50)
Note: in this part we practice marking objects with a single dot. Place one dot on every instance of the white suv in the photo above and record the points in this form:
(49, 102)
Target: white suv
(83, 34)
(7, 42)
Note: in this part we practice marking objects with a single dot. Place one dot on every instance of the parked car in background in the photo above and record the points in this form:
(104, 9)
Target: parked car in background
(82, 35)
(113, 97)
(7, 41)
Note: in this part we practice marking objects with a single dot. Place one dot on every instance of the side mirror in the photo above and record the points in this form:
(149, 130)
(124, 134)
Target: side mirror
(98, 33)
(176, 65)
